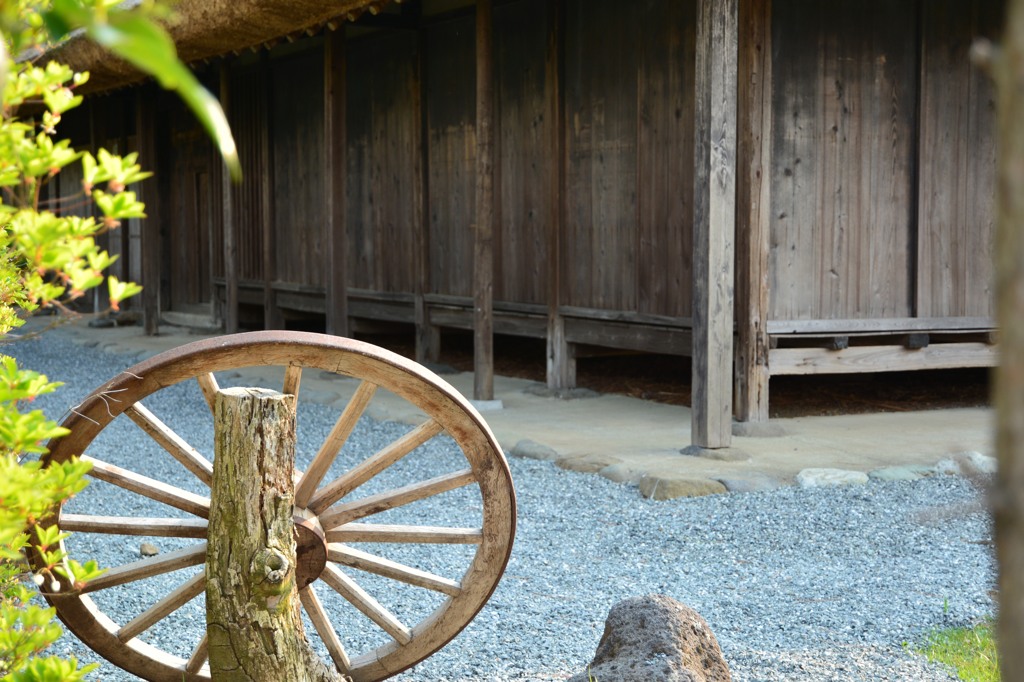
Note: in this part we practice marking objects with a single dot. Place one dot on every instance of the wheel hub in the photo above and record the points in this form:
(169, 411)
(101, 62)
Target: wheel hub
(310, 549)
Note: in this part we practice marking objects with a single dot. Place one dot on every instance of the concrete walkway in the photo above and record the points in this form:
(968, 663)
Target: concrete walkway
(637, 441)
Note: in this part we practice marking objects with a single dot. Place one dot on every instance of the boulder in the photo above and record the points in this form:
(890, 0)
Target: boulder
(830, 478)
(655, 638)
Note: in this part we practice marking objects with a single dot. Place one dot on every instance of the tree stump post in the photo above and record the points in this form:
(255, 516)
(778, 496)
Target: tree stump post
(254, 627)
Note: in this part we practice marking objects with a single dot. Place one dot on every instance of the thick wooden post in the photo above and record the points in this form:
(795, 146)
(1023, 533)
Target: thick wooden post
(254, 625)
(334, 173)
(483, 251)
(753, 204)
(1008, 495)
(561, 365)
(714, 222)
(145, 134)
(272, 318)
(228, 212)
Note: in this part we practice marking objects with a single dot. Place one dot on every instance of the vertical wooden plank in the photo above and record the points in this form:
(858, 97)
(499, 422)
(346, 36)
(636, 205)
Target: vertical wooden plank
(145, 133)
(714, 221)
(483, 255)
(428, 336)
(335, 137)
(272, 318)
(753, 203)
(561, 366)
(230, 245)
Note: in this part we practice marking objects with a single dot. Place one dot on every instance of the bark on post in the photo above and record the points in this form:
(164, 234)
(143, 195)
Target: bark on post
(253, 620)
(1008, 497)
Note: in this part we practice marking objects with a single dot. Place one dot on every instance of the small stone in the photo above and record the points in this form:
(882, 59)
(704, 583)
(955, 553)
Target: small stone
(542, 391)
(529, 449)
(621, 473)
(148, 549)
(102, 323)
(656, 639)
(912, 472)
(587, 464)
(830, 478)
(669, 488)
(750, 484)
(718, 454)
(947, 467)
(974, 463)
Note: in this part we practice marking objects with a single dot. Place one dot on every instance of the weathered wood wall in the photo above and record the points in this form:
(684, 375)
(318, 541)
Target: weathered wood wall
(957, 162)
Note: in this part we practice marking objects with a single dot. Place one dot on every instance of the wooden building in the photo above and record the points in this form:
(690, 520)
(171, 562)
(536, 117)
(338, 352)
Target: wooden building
(771, 186)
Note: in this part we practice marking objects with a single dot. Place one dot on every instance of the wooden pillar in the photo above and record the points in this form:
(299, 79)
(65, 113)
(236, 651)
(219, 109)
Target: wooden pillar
(230, 237)
(753, 204)
(334, 173)
(428, 337)
(483, 252)
(145, 134)
(271, 312)
(714, 221)
(561, 365)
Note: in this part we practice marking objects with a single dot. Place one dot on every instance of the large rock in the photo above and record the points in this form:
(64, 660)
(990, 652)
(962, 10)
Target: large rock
(656, 639)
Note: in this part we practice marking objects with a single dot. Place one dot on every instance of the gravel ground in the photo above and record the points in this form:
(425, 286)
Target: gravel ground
(824, 584)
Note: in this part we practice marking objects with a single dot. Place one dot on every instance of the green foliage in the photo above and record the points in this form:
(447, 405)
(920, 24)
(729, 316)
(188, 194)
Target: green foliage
(48, 259)
(971, 652)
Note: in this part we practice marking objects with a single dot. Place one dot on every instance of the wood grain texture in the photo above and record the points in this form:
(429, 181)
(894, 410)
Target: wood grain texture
(957, 161)
(855, 359)
(714, 222)
(843, 80)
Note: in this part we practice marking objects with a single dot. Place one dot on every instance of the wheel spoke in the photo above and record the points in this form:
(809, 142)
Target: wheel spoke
(147, 568)
(199, 656)
(130, 525)
(335, 440)
(370, 607)
(292, 379)
(171, 442)
(372, 466)
(163, 608)
(315, 611)
(357, 509)
(437, 535)
(208, 385)
(149, 487)
(371, 563)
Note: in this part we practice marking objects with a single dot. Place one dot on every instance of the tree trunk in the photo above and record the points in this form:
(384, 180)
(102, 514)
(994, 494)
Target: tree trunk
(253, 621)
(1008, 497)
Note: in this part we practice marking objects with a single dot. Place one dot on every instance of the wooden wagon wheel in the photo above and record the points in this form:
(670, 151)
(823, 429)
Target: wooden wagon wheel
(333, 507)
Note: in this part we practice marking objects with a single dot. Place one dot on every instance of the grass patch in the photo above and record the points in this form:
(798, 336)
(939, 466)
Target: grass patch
(971, 652)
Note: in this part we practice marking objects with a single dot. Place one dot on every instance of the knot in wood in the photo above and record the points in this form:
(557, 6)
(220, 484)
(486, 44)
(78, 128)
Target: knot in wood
(270, 566)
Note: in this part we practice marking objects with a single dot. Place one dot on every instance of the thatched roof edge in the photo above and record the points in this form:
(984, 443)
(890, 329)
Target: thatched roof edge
(205, 29)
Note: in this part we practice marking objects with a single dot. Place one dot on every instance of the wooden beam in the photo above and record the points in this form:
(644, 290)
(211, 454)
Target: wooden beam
(753, 206)
(856, 359)
(145, 134)
(335, 133)
(561, 365)
(230, 244)
(483, 243)
(714, 221)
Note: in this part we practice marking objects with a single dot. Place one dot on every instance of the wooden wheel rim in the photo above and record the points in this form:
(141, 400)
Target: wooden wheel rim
(348, 357)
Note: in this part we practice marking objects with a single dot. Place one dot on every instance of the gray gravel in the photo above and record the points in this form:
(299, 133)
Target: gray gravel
(823, 584)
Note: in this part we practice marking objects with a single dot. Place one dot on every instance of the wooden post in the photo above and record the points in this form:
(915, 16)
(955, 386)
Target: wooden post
(254, 625)
(230, 244)
(753, 205)
(334, 172)
(145, 134)
(272, 318)
(1008, 494)
(483, 253)
(561, 366)
(428, 336)
(714, 222)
